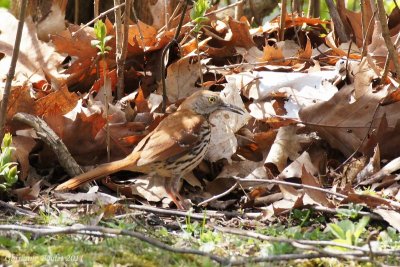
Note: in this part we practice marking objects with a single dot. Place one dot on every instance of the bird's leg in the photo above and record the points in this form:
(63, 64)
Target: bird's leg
(172, 188)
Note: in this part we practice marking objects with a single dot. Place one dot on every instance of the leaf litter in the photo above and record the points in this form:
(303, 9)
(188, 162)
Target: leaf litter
(313, 119)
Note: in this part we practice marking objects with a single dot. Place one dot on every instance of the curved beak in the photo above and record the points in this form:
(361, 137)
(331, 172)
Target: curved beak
(232, 108)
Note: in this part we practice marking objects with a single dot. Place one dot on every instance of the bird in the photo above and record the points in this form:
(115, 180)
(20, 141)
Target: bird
(175, 147)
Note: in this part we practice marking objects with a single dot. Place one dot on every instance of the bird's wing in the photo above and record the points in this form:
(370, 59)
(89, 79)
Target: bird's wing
(172, 138)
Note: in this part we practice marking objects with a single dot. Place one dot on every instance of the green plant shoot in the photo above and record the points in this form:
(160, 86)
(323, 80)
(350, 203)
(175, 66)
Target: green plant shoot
(197, 14)
(102, 38)
(8, 169)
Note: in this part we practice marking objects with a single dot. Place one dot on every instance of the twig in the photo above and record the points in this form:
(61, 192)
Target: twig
(169, 212)
(166, 14)
(178, 6)
(224, 8)
(312, 244)
(196, 216)
(268, 181)
(219, 196)
(392, 52)
(95, 230)
(365, 28)
(136, 20)
(17, 210)
(239, 10)
(96, 18)
(289, 257)
(261, 63)
(11, 71)
(164, 53)
(76, 12)
(360, 213)
(337, 21)
(96, 8)
(106, 108)
(282, 21)
(118, 49)
(387, 61)
(51, 139)
(127, 14)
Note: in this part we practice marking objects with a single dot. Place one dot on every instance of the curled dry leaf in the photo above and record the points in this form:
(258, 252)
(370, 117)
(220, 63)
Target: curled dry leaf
(223, 142)
(286, 146)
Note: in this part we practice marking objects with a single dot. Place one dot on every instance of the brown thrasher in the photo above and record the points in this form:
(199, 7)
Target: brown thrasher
(175, 147)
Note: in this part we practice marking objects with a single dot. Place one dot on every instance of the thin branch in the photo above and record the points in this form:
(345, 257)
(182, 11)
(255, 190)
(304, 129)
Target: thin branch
(96, 18)
(360, 213)
(337, 21)
(282, 21)
(76, 12)
(11, 71)
(224, 8)
(312, 244)
(95, 230)
(268, 181)
(178, 7)
(386, 36)
(52, 140)
(289, 257)
(118, 49)
(127, 14)
(220, 195)
(196, 216)
(164, 53)
(17, 210)
(96, 8)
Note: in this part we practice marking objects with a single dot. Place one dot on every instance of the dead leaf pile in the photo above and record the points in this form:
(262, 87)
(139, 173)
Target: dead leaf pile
(316, 119)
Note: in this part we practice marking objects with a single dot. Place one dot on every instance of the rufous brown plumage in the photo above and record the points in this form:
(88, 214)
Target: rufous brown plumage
(175, 147)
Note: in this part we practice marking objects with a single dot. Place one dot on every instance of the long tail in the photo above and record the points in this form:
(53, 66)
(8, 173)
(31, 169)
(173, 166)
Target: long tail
(127, 163)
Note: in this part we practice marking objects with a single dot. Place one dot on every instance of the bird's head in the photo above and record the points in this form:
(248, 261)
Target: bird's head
(206, 102)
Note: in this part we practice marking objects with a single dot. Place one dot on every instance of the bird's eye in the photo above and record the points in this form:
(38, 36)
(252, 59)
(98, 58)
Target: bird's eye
(212, 99)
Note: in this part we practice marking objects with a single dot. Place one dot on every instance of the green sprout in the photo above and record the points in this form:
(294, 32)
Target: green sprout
(8, 169)
(102, 38)
(198, 12)
(101, 43)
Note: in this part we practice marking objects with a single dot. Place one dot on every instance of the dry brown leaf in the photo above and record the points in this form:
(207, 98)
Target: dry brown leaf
(390, 216)
(370, 201)
(181, 78)
(36, 58)
(29, 192)
(344, 122)
(23, 146)
(78, 46)
(240, 33)
(353, 22)
(318, 197)
(286, 146)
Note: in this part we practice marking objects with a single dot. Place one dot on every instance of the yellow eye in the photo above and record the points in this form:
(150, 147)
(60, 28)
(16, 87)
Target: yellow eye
(212, 99)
